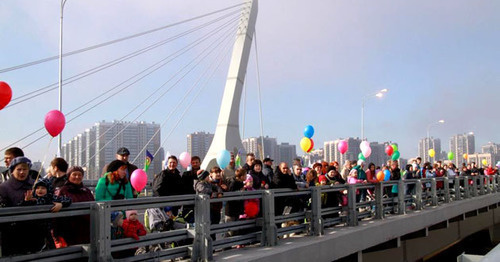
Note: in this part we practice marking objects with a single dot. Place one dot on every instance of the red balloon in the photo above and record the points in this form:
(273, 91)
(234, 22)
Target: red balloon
(54, 122)
(251, 208)
(389, 150)
(312, 146)
(5, 94)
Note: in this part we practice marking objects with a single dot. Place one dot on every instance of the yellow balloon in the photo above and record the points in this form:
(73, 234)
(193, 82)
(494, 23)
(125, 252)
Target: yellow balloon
(484, 162)
(466, 156)
(305, 144)
(432, 153)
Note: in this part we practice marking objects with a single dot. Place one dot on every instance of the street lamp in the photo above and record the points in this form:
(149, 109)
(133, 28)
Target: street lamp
(432, 124)
(378, 94)
(63, 2)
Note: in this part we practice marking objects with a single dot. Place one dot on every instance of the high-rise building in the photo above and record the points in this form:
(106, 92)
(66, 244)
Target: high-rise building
(198, 143)
(425, 145)
(286, 153)
(378, 156)
(97, 146)
(313, 157)
(331, 150)
(491, 148)
(254, 145)
(462, 144)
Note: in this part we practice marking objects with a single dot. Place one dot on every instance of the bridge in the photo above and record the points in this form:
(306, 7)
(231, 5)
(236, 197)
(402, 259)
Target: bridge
(401, 228)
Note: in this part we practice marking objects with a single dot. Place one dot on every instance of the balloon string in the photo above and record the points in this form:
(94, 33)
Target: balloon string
(43, 162)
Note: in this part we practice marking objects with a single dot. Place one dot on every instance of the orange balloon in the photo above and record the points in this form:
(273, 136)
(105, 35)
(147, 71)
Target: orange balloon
(380, 175)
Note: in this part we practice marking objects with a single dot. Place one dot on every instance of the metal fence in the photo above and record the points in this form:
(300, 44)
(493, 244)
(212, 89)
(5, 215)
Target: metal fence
(383, 199)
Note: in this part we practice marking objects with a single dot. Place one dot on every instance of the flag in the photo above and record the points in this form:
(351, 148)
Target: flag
(149, 159)
(238, 160)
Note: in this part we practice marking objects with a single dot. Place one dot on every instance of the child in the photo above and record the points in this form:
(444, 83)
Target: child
(251, 206)
(116, 225)
(44, 195)
(132, 227)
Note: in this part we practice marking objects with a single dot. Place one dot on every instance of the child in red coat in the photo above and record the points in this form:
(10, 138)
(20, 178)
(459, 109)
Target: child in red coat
(132, 227)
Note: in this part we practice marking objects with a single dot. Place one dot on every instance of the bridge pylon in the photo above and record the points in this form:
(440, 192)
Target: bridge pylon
(227, 133)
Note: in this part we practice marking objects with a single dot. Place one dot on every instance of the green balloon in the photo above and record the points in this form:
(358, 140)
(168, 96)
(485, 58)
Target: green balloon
(361, 156)
(394, 147)
(395, 155)
(451, 155)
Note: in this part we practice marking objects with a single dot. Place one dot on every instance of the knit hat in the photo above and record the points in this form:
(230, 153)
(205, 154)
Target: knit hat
(115, 165)
(19, 160)
(115, 217)
(130, 212)
(75, 169)
(248, 179)
(330, 168)
(322, 178)
(202, 174)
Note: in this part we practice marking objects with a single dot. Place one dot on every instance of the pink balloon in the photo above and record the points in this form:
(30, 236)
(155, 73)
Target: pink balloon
(185, 159)
(364, 145)
(367, 152)
(343, 146)
(54, 122)
(138, 179)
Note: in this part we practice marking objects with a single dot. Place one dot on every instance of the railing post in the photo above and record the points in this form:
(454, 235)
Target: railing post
(446, 190)
(418, 195)
(481, 185)
(100, 232)
(202, 244)
(458, 194)
(379, 200)
(474, 186)
(498, 182)
(351, 205)
(401, 197)
(488, 184)
(467, 187)
(316, 225)
(434, 198)
(269, 230)
(494, 184)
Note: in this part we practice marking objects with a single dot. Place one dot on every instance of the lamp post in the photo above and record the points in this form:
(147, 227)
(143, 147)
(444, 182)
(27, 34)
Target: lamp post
(378, 94)
(59, 139)
(429, 138)
(432, 124)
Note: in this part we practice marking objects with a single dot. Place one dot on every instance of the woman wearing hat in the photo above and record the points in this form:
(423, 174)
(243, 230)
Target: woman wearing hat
(75, 230)
(114, 184)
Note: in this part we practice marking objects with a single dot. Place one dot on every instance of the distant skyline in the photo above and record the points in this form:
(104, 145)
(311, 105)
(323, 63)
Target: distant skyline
(439, 60)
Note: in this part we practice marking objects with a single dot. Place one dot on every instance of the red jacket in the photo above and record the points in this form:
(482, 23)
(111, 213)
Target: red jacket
(133, 229)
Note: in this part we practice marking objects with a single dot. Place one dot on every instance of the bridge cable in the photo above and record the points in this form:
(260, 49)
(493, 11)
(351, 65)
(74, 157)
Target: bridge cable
(182, 116)
(4, 70)
(162, 95)
(260, 99)
(104, 66)
(188, 47)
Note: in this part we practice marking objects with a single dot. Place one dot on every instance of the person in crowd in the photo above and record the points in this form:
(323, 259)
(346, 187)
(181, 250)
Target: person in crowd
(168, 182)
(187, 182)
(9, 155)
(371, 177)
(114, 184)
(117, 231)
(361, 175)
(76, 229)
(428, 172)
(123, 155)
(41, 234)
(58, 177)
(324, 167)
(333, 177)
(230, 169)
(249, 212)
(440, 172)
(235, 208)
(259, 179)
(317, 168)
(410, 174)
(283, 179)
(250, 159)
(207, 185)
(312, 178)
(267, 170)
(297, 176)
(132, 227)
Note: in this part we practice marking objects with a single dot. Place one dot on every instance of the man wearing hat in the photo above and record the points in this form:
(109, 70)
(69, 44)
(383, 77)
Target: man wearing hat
(9, 155)
(123, 154)
(267, 169)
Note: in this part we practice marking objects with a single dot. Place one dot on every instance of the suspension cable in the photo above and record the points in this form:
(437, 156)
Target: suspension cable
(115, 41)
(260, 100)
(69, 80)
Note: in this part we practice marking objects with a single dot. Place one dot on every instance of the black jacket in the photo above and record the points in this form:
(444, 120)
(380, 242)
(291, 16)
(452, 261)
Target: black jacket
(167, 183)
(284, 180)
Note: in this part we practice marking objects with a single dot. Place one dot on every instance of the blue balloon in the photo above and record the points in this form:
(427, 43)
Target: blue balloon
(309, 131)
(387, 175)
(223, 158)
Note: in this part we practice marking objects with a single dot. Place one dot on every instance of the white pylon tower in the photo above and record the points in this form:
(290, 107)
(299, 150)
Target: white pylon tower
(227, 133)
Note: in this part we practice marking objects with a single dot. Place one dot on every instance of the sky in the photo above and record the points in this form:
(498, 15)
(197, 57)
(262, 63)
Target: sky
(316, 61)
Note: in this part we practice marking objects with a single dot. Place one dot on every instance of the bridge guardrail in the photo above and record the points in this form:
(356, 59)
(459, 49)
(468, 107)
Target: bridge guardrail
(266, 229)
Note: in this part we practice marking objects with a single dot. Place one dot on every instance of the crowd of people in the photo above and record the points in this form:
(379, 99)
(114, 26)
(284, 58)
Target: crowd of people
(63, 185)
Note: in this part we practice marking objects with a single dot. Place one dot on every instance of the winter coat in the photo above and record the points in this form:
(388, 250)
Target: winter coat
(12, 191)
(58, 182)
(167, 183)
(133, 229)
(76, 229)
(187, 181)
(234, 208)
(268, 172)
(361, 172)
(259, 179)
(284, 180)
(105, 190)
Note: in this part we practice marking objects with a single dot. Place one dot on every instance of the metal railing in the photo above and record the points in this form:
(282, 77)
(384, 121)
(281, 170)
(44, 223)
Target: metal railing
(312, 217)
